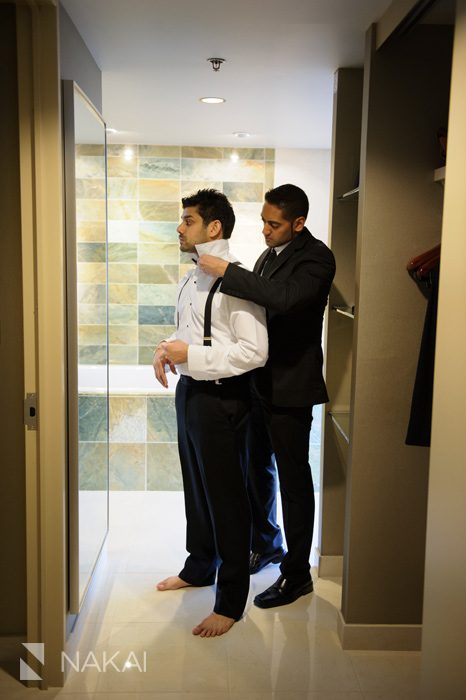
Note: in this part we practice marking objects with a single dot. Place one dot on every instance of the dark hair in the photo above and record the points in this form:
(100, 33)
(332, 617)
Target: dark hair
(212, 205)
(290, 199)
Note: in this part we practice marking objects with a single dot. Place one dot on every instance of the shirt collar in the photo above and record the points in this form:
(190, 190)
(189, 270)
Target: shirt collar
(219, 247)
(280, 248)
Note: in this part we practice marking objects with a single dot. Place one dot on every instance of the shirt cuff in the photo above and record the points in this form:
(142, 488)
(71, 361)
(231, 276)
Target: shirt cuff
(196, 360)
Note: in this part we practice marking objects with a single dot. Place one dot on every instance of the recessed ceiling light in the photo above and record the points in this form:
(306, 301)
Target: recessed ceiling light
(109, 130)
(241, 134)
(212, 100)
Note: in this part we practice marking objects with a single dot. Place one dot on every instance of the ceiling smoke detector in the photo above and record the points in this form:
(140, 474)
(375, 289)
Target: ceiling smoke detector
(216, 63)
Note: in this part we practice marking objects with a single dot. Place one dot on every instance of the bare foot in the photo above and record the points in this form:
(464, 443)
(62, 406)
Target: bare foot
(214, 625)
(172, 583)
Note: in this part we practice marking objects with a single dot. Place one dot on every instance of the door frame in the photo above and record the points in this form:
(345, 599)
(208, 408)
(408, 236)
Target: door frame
(41, 182)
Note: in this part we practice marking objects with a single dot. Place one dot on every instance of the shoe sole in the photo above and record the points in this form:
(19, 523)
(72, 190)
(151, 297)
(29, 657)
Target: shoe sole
(276, 604)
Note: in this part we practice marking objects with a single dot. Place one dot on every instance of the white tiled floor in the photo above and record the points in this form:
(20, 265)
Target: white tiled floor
(291, 653)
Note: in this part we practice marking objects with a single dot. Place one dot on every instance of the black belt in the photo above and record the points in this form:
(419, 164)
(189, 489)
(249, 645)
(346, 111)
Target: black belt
(238, 379)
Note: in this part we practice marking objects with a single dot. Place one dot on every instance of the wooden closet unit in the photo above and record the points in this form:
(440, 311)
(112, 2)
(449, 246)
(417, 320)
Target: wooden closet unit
(374, 500)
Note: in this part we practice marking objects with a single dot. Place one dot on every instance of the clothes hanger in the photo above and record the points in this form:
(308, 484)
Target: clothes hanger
(424, 258)
(423, 271)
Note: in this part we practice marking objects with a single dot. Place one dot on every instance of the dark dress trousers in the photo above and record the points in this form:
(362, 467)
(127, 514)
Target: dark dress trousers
(294, 290)
(214, 475)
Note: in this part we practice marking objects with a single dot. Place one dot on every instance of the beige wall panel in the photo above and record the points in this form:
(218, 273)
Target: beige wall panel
(443, 659)
(346, 140)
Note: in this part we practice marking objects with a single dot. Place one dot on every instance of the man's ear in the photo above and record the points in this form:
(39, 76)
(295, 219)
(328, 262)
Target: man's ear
(299, 223)
(215, 229)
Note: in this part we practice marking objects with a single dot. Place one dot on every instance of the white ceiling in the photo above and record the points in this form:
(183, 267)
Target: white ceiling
(277, 79)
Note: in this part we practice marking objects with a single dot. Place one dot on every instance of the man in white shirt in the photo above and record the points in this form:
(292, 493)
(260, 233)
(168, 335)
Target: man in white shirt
(218, 341)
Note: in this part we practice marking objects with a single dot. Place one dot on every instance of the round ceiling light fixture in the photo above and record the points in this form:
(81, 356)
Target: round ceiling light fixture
(241, 134)
(212, 100)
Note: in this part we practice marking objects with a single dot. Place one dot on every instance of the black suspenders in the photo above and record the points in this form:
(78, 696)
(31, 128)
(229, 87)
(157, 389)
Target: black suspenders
(207, 310)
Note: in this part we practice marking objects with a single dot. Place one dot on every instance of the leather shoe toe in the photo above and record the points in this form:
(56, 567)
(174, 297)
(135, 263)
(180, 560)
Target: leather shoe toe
(258, 561)
(282, 592)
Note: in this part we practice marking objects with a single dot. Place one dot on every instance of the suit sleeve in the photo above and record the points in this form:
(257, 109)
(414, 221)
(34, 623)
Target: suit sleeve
(308, 284)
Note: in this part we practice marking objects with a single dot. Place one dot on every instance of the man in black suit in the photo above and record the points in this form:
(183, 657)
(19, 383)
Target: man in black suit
(292, 281)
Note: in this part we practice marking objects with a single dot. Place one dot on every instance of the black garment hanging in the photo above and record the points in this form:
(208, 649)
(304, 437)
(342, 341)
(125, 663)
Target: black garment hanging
(419, 427)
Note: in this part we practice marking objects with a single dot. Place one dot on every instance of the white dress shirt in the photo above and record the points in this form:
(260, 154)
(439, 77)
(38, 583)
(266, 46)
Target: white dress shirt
(238, 329)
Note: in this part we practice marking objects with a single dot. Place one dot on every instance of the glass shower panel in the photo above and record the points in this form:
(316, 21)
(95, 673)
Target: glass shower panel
(87, 321)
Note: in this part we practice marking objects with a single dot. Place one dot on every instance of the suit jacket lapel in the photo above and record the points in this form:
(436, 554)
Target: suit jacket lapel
(260, 260)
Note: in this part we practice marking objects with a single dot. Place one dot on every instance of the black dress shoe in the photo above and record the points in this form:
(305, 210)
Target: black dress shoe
(259, 561)
(282, 592)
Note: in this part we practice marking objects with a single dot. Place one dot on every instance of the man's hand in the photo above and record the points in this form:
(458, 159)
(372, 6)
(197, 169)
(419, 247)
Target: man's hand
(213, 266)
(176, 351)
(159, 362)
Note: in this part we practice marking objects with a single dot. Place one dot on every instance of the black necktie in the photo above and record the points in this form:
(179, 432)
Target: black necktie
(270, 259)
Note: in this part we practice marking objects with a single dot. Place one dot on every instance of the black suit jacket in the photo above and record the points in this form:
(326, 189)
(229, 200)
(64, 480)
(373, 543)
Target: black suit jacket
(294, 290)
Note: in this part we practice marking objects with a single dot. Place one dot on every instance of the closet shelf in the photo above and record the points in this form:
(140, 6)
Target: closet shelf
(344, 310)
(352, 194)
(439, 175)
(341, 420)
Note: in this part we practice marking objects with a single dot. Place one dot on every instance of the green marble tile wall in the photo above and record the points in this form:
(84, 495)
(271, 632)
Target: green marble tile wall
(143, 447)
(145, 184)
